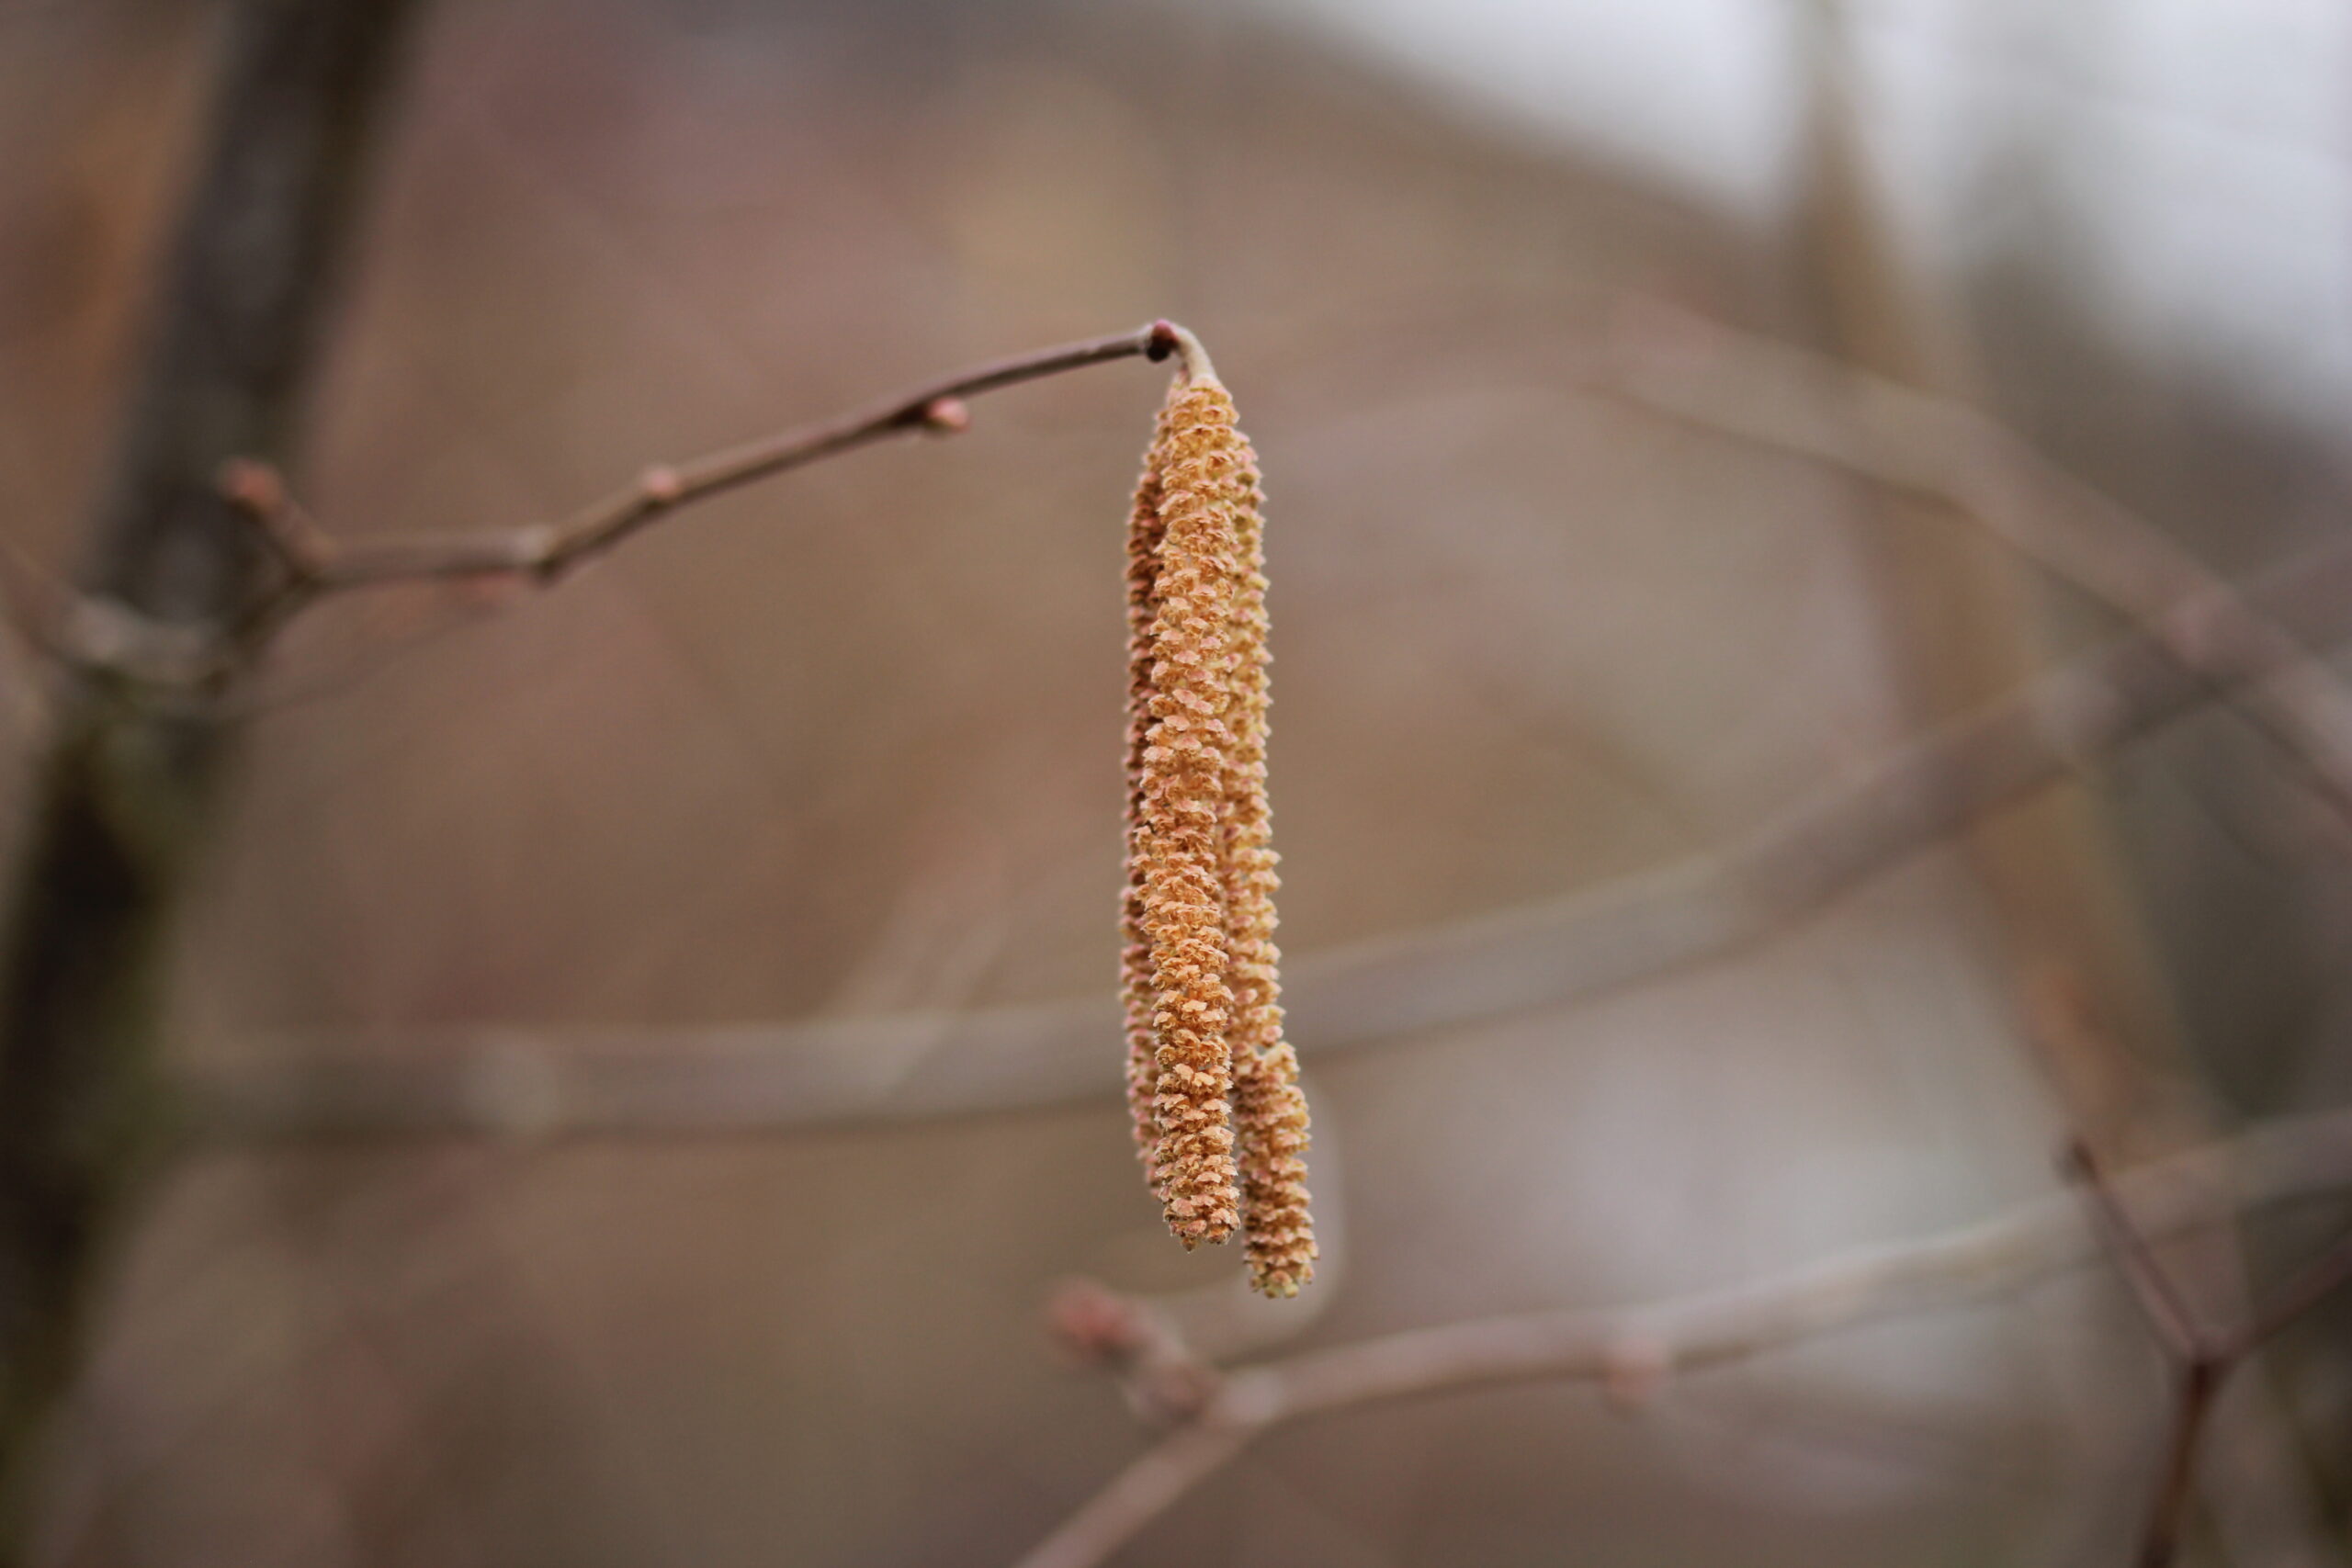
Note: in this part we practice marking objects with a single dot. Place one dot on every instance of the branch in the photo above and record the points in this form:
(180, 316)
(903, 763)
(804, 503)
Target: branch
(752, 1079)
(2251, 1478)
(315, 565)
(2320, 1279)
(2167, 1312)
(1630, 1350)
(1759, 390)
(2203, 1361)
(1140, 1494)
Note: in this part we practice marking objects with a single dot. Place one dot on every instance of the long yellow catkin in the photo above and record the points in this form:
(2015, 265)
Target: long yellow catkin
(1270, 1112)
(1180, 872)
(1138, 989)
(1207, 1064)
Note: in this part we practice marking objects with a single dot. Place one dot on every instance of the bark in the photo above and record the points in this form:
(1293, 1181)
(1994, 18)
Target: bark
(122, 803)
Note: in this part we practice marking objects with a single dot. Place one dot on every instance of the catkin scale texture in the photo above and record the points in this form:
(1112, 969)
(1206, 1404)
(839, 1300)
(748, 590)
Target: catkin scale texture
(1212, 1086)
(1138, 989)
(1182, 788)
(1269, 1111)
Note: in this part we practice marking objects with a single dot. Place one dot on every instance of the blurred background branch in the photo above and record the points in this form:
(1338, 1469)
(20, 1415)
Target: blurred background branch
(517, 1082)
(1631, 1352)
(1755, 390)
(2203, 1360)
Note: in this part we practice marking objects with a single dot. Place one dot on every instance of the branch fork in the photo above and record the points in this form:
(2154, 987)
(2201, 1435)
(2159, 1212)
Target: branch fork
(2204, 1357)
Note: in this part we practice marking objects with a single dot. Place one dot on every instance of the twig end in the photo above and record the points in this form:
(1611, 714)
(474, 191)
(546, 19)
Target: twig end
(1166, 338)
(252, 485)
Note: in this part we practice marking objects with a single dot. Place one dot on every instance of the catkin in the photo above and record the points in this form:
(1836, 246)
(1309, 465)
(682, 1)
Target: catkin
(1136, 988)
(1270, 1112)
(1182, 806)
(1213, 1087)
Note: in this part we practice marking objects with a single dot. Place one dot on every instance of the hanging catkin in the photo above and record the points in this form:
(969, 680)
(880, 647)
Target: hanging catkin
(1270, 1112)
(1212, 1086)
(1138, 989)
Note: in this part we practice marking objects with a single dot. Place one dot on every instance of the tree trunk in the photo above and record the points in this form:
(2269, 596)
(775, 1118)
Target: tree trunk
(122, 800)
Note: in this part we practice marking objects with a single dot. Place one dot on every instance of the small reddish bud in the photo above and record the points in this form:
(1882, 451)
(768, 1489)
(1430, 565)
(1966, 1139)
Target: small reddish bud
(1092, 1323)
(253, 485)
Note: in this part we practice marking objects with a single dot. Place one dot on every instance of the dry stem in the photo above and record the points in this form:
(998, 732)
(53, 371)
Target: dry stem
(315, 565)
(1763, 391)
(2203, 1359)
(1632, 1350)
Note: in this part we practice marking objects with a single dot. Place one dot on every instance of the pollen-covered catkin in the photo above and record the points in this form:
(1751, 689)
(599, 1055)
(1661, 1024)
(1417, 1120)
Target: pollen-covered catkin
(1269, 1110)
(1181, 868)
(1138, 989)
(1212, 1084)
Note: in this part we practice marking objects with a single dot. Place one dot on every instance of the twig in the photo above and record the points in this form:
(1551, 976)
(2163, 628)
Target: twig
(2203, 1359)
(2166, 1312)
(1893, 434)
(2200, 1371)
(1131, 1338)
(2251, 1479)
(2200, 1380)
(1763, 391)
(2320, 1279)
(316, 565)
(756, 1079)
(1140, 1494)
(1631, 1349)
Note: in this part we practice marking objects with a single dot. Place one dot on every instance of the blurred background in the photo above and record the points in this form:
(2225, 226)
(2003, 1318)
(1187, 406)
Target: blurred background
(809, 773)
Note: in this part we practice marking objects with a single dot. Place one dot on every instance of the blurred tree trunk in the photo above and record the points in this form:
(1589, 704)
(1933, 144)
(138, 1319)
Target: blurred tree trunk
(1963, 619)
(122, 802)
(1966, 631)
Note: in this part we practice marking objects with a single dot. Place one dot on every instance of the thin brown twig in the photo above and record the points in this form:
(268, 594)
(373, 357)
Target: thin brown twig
(1629, 1352)
(2203, 1360)
(2166, 1312)
(2320, 1279)
(62, 626)
(1150, 1484)
(2200, 1368)
(2198, 1382)
(2249, 1475)
(1893, 434)
(315, 565)
(1760, 390)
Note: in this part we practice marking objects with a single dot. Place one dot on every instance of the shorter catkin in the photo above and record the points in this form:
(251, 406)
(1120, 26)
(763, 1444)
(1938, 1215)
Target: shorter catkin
(1138, 990)
(1213, 1087)
(1269, 1111)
